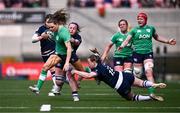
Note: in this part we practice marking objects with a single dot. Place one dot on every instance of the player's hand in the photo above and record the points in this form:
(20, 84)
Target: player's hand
(72, 40)
(94, 50)
(72, 71)
(66, 67)
(172, 41)
(44, 35)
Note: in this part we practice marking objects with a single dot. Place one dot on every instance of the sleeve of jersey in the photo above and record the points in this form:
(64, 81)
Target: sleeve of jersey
(113, 38)
(39, 31)
(66, 35)
(132, 32)
(87, 69)
(79, 38)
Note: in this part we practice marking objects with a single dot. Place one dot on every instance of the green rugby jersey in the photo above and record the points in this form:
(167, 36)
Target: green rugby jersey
(142, 39)
(117, 39)
(61, 36)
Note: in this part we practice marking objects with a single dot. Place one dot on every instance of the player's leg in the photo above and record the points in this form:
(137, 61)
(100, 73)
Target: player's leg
(127, 66)
(138, 69)
(138, 97)
(78, 66)
(52, 70)
(137, 64)
(52, 61)
(73, 86)
(59, 79)
(125, 89)
(147, 84)
(118, 64)
(148, 66)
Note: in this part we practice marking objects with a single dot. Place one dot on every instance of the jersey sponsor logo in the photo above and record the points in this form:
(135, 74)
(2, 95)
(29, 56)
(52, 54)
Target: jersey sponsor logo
(144, 36)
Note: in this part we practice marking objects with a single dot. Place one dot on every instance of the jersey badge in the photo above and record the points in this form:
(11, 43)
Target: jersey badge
(120, 39)
(148, 30)
(138, 31)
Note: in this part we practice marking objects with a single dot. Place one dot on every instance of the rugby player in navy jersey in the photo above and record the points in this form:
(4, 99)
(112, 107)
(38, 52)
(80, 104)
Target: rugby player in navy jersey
(47, 45)
(120, 81)
(76, 40)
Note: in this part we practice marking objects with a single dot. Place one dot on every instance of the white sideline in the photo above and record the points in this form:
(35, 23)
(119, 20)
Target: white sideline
(116, 107)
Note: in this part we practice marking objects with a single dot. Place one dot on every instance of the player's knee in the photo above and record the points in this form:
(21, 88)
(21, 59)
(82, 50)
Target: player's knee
(148, 66)
(128, 98)
(45, 67)
(60, 79)
(137, 71)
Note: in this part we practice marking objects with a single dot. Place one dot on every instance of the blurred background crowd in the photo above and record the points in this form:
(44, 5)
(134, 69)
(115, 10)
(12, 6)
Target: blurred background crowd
(125, 3)
(22, 4)
(98, 21)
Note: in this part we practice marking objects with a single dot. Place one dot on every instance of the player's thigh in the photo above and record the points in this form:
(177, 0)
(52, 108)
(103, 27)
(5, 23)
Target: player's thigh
(52, 61)
(148, 65)
(127, 65)
(78, 65)
(137, 82)
(59, 71)
(118, 68)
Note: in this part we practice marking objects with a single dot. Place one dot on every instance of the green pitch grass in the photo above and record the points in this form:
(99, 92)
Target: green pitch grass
(16, 97)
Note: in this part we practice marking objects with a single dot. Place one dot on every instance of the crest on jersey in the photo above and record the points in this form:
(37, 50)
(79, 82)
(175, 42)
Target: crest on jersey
(138, 30)
(120, 39)
(148, 30)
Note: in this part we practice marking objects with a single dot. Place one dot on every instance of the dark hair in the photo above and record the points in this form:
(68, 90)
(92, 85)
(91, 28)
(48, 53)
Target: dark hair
(122, 20)
(95, 57)
(48, 16)
(59, 17)
(77, 25)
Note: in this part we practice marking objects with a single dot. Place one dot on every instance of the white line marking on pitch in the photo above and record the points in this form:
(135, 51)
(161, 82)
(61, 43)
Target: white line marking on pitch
(6, 107)
(116, 107)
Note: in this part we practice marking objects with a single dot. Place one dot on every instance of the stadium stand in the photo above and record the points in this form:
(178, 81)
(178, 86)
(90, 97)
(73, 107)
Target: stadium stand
(96, 31)
(125, 3)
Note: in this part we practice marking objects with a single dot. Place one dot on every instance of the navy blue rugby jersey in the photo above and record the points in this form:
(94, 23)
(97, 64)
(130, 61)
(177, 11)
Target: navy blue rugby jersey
(47, 45)
(77, 37)
(107, 74)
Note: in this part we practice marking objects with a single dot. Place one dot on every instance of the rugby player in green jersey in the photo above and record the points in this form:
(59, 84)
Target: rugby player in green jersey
(122, 59)
(63, 49)
(141, 37)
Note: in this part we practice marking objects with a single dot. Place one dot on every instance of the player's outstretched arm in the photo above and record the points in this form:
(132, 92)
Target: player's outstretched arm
(125, 43)
(84, 74)
(171, 41)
